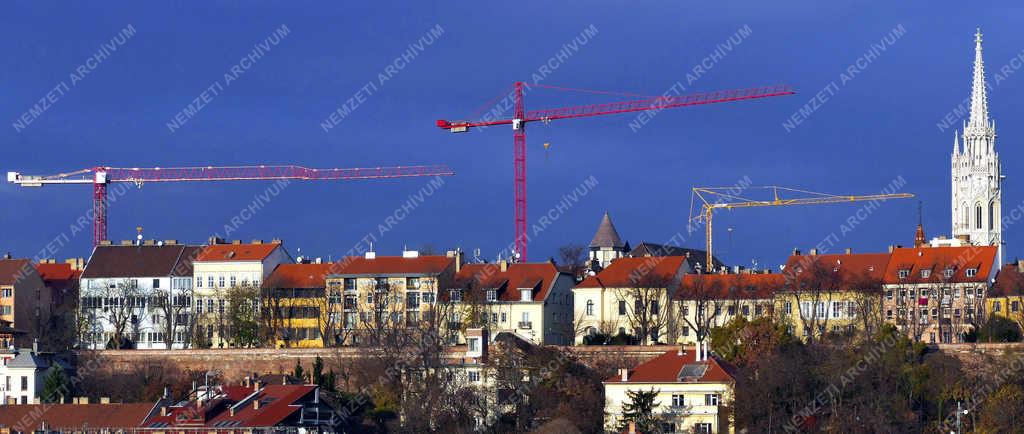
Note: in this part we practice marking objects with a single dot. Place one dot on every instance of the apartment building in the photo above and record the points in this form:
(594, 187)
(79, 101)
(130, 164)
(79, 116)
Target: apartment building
(832, 293)
(223, 267)
(304, 314)
(137, 295)
(531, 300)
(24, 302)
(937, 294)
(61, 280)
(693, 388)
(381, 292)
(630, 297)
(1006, 298)
(707, 301)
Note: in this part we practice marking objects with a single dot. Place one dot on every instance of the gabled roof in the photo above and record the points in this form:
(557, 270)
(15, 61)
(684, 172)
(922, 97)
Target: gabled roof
(393, 265)
(850, 265)
(1009, 282)
(299, 276)
(237, 252)
(139, 261)
(938, 259)
(13, 270)
(606, 235)
(277, 403)
(628, 272)
(536, 276)
(652, 249)
(668, 367)
(73, 416)
(62, 271)
(730, 286)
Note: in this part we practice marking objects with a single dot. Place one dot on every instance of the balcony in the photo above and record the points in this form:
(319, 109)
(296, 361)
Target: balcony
(526, 325)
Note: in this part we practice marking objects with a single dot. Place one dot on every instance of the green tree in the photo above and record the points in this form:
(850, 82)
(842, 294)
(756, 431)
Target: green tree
(242, 316)
(298, 372)
(56, 386)
(318, 371)
(640, 409)
(999, 329)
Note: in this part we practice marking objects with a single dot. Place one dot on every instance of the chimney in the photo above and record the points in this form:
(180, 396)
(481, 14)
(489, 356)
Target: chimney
(849, 251)
(163, 410)
(482, 336)
(458, 260)
(257, 241)
(410, 253)
(35, 346)
(247, 381)
(236, 242)
(370, 255)
(170, 242)
(814, 252)
(256, 403)
(1020, 265)
(275, 241)
(127, 242)
(891, 248)
(105, 243)
(796, 252)
(624, 374)
(504, 265)
(104, 400)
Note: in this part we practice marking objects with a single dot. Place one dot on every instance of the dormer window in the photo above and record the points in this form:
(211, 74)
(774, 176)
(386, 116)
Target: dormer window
(926, 273)
(455, 295)
(492, 295)
(904, 273)
(971, 272)
(527, 294)
(948, 273)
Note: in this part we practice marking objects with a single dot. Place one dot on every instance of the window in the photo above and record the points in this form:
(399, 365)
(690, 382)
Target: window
(526, 294)
(904, 274)
(427, 297)
(787, 307)
(654, 307)
(702, 428)
(220, 281)
(851, 309)
(836, 307)
(455, 295)
(24, 383)
(677, 400)
(686, 330)
(381, 283)
(503, 317)
(977, 216)
(474, 376)
(948, 273)
(746, 310)
(234, 281)
(711, 399)
(156, 283)
(199, 281)
(622, 307)
(926, 273)
(412, 283)
(888, 314)
(1014, 306)
(590, 307)
(350, 284)
(369, 298)
(199, 306)
(474, 344)
(492, 295)
(971, 272)
(412, 300)
(731, 310)
(209, 281)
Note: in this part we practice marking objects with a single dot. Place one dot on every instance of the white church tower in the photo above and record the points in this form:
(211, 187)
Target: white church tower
(977, 178)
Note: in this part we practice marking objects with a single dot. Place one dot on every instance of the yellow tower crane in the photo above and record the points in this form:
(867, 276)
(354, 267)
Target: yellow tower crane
(713, 198)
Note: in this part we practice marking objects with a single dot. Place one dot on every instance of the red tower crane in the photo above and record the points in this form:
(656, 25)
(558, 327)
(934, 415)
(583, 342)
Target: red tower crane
(99, 177)
(521, 117)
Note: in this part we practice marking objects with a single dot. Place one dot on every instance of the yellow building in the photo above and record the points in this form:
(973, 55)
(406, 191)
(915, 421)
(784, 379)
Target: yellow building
(1006, 298)
(222, 267)
(531, 300)
(630, 297)
(707, 301)
(694, 392)
(379, 293)
(304, 314)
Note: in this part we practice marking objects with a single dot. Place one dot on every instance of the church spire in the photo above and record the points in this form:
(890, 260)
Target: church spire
(979, 100)
(956, 143)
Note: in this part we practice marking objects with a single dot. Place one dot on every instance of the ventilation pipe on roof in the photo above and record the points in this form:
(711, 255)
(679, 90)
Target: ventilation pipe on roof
(624, 374)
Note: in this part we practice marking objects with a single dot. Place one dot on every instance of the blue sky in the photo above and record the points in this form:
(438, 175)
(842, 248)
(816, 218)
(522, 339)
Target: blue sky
(877, 127)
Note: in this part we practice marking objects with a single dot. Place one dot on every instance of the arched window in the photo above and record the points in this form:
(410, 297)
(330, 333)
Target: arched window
(590, 307)
(977, 215)
(967, 216)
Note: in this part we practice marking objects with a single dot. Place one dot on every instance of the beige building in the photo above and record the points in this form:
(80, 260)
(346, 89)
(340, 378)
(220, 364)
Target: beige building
(707, 301)
(694, 392)
(531, 300)
(630, 297)
(24, 302)
(221, 267)
(379, 293)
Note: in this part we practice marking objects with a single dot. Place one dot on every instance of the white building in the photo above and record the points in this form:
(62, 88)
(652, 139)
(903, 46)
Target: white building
(976, 173)
(143, 291)
(22, 373)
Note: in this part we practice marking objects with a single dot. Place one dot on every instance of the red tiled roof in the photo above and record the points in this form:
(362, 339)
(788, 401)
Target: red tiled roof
(627, 272)
(665, 369)
(59, 276)
(730, 286)
(851, 265)
(299, 276)
(1009, 281)
(73, 416)
(537, 276)
(13, 270)
(389, 265)
(237, 252)
(938, 259)
(277, 403)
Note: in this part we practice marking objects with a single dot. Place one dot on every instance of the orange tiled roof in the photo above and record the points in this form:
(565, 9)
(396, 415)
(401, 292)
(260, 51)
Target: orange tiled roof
(236, 252)
(938, 259)
(626, 272)
(392, 265)
(536, 276)
(730, 286)
(666, 367)
(850, 265)
(74, 416)
(299, 276)
(1009, 281)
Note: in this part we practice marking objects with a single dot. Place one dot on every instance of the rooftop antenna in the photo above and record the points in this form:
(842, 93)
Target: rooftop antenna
(920, 220)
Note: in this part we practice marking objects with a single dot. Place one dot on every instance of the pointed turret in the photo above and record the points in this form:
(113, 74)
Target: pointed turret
(606, 235)
(956, 143)
(979, 99)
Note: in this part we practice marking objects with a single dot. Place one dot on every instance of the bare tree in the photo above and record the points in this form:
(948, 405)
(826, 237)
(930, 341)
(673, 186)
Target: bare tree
(172, 308)
(647, 316)
(703, 294)
(812, 285)
(572, 259)
(119, 300)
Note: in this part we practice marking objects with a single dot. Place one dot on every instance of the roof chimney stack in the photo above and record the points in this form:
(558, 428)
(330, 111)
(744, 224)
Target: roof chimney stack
(624, 374)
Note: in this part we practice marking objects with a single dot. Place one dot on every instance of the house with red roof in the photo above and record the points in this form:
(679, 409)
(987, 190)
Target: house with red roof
(629, 297)
(61, 281)
(937, 294)
(706, 301)
(225, 266)
(1006, 297)
(531, 300)
(693, 391)
(380, 292)
(310, 316)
